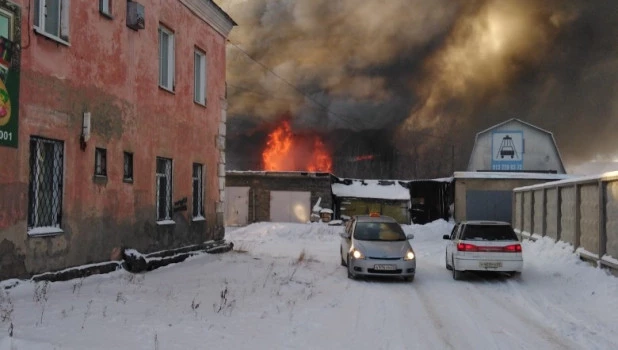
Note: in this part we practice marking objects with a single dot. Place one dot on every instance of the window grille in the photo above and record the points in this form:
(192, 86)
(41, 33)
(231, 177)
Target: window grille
(45, 188)
(164, 189)
(198, 190)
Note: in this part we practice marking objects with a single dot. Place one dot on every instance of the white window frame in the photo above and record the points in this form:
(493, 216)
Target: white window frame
(168, 35)
(40, 15)
(200, 75)
(100, 162)
(198, 191)
(168, 175)
(105, 7)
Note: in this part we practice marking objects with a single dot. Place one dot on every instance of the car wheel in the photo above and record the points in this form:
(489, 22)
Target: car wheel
(457, 275)
(409, 278)
(343, 263)
(350, 273)
(448, 267)
(514, 273)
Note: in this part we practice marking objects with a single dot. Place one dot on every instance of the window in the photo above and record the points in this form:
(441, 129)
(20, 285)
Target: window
(100, 162)
(51, 18)
(45, 188)
(166, 59)
(200, 77)
(105, 7)
(128, 167)
(164, 189)
(198, 191)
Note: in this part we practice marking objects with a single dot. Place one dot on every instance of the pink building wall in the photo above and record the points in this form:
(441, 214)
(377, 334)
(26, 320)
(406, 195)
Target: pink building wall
(112, 72)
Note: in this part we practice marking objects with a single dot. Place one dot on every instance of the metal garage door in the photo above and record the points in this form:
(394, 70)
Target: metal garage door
(489, 205)
(289, 206)
(236, 206)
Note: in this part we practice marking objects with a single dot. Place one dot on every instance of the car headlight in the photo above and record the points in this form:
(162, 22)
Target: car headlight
(357, 254)
(409, 255)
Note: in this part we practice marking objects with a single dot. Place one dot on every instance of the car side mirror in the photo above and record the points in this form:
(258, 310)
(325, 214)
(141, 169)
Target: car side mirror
(409, 236)
(344, 235)
(446, 237)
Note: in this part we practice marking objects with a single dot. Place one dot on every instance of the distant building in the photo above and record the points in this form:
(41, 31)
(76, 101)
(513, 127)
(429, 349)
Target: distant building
(278, 196)
(515, 146)
(112, 129)
(505, 156)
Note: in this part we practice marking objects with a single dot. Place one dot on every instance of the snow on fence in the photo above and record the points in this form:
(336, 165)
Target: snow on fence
(580, 211)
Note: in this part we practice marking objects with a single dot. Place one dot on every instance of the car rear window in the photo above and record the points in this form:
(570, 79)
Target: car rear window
(379, 231)
(489, 233)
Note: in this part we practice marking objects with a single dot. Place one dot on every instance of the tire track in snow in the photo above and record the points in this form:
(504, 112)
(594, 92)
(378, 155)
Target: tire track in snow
(518, 312)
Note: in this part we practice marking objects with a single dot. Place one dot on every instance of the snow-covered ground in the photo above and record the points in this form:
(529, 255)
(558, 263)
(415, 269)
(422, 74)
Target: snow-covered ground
(283, 288)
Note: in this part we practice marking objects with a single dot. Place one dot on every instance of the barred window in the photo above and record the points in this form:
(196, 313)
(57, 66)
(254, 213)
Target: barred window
(128, 167)
(45, 188)
(198, 191)
(164, 189)
(100, 162)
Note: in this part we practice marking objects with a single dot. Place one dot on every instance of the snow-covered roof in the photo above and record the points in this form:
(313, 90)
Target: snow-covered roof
(508, 175)
(516, 120)
(277, 173)
(572, 180)
(377, 189)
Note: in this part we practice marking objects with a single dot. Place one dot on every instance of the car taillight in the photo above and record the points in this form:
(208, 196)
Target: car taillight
(465, 247)
(514, 248)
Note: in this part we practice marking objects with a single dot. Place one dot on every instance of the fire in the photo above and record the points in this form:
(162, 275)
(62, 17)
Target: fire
(364, 157)
(286, 151)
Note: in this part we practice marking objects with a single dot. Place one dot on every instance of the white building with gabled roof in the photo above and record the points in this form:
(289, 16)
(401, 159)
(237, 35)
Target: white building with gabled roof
(515, 145)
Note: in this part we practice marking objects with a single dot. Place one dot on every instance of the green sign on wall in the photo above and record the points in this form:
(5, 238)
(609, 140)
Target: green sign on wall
(9, 74)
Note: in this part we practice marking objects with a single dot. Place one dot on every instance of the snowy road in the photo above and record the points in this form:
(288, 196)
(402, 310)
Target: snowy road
(268, 294)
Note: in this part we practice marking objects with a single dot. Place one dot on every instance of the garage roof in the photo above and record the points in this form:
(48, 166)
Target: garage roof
(377, 189)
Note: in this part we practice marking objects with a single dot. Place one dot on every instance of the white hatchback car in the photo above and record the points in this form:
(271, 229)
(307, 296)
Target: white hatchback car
(375, 245)
(483, 246)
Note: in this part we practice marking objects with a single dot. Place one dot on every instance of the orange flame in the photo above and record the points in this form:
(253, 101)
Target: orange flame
(288, 152)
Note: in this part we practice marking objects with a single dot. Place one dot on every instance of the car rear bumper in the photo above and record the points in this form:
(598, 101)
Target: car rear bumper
(462, 264)
(367, 267)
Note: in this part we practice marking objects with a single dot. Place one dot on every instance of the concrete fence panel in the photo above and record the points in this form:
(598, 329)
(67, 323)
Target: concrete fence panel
(589, 218)
(538, 212)
(611, 225)
(517, 224)
(527, 224)
(568, 221)
(551, 213)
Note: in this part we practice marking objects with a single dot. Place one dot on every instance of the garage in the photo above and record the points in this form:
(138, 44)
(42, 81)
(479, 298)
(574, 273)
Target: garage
(290, 206)
(236, 206)
(489, 205)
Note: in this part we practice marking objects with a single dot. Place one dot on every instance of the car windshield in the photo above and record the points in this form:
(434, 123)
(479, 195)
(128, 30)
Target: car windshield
(489, 233)
(379, 231)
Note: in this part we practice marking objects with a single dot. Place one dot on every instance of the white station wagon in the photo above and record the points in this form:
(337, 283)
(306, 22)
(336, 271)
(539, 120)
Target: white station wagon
(483, 246)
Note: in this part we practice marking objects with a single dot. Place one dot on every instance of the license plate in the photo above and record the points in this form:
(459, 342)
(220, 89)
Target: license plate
(385, 267)
(490, 265)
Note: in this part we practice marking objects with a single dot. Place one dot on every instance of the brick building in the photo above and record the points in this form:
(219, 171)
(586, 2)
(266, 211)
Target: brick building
(255, 196)
(112, 127)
